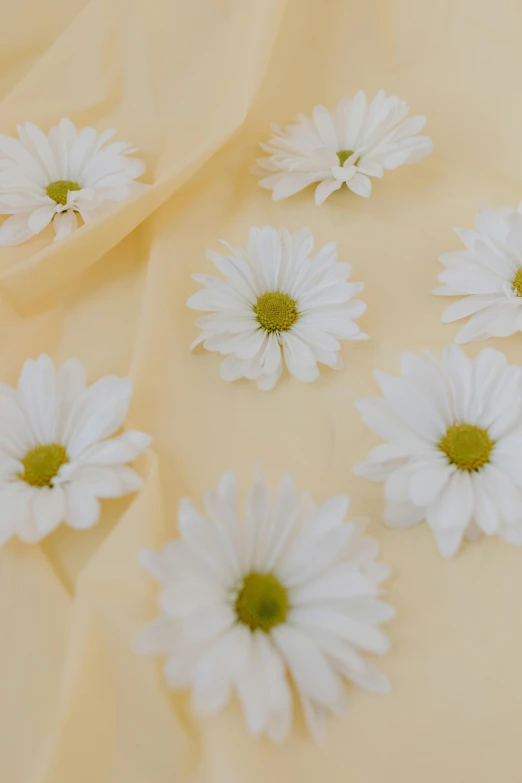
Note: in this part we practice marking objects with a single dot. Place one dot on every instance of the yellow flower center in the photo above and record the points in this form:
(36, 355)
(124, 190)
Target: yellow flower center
(58, 190)
(42, 463)
(517, 282)
(343, 156)
(276, 312)
(262, 602)
(467, 446)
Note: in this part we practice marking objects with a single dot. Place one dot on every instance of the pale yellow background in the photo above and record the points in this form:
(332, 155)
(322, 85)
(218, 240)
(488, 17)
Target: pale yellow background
(195, 84)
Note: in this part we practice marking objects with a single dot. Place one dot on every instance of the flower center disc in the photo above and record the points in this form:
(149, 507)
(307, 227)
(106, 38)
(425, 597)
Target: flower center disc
(262, 602)
(276, 312)
(42, 463)
(466, 446)
(343, 156)
(58, 190)
(517, 283)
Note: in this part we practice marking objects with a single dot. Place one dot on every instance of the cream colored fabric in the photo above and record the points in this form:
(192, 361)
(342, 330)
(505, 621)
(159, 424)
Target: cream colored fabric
(195, 85)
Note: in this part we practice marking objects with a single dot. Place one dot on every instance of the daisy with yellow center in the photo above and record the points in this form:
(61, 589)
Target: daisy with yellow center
(58, 455)
(488, 275)
(360, 140)
(455, 439)
(60, 176)
(278, 301)
(292, 597)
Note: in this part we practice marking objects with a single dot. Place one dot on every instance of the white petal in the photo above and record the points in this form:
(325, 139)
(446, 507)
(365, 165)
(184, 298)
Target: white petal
(467, 306)
(43, 150)
(485, 512)
(363, 636)
(325, 189)
(82, 508)
(16, 434)
(103, 481)
(325, 127)
(448, 541)
(427, 483)
(124, 448)
(419, 413)
(72, 382)
(269, 251)
(98, 413)
(64, 224)
(15, 230)
(49, 509)
(458, 367)
(308, 666)
(40, 218)
(289, 184)
(361, 185)
(215, 671)
(454, 505)
(379, 418)
(299, 359)
(37, 396)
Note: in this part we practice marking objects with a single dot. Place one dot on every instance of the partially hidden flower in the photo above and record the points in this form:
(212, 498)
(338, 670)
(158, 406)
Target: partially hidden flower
(488, 274)
(57, 176)
(361, 139)
(291, 596)
(454, 446)
(57, 456)
(277, 300)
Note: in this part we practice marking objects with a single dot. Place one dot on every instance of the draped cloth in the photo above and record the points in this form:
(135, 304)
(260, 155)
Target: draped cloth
(195, 86)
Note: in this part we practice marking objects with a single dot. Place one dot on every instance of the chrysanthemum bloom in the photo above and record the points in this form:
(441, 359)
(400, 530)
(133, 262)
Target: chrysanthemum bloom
(57, 456)
(454, 451)
(278, 300)
(292, 594)
(57, 176)
(358, 141)
(488, 273)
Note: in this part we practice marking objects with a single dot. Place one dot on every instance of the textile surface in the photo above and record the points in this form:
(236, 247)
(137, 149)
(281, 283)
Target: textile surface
(195, 86)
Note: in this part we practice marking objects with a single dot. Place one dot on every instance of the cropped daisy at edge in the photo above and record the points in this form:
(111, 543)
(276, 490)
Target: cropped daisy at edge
(57, 453)
(453, 454)
(291, 595)
(57, 176)
(359, 140)
(488, 275)
(277, 301)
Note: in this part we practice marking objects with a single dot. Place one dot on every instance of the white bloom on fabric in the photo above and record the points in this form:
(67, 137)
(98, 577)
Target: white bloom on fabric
(292, 594)
(57, 456)
(454, 450)
(277, 300)
(57, 176)
(488, 273)
(358, 141)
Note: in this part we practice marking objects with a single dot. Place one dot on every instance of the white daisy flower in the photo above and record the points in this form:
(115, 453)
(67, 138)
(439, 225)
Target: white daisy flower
(358, 141)
(278, 299)
(56, 454)
(454, 451)
(488, 273)
(293, 593)
(57, 176)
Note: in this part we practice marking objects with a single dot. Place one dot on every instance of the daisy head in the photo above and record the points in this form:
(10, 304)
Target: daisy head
(291, 595)
(488, 274)
(359, 140)
(57, 456)
(277, 300)
(454, 446)
(58, 176)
